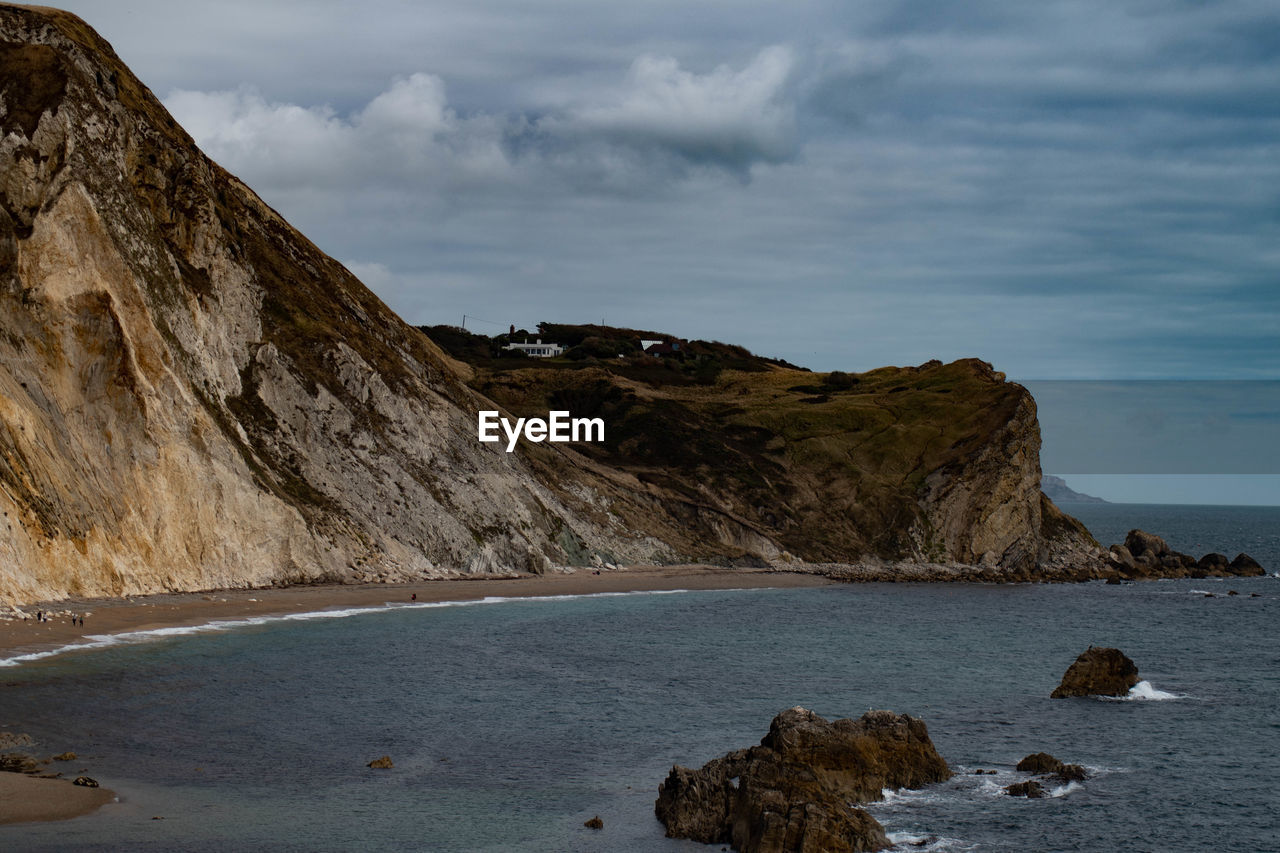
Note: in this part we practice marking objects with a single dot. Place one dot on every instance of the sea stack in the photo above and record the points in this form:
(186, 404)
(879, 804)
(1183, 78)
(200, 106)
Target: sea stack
(793, 791)
(1098, 672)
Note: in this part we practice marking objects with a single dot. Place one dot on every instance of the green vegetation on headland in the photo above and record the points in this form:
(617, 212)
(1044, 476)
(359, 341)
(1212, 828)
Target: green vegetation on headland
(830, 465)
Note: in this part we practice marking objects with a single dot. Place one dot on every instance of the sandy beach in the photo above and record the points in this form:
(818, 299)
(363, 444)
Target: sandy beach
(30, 798)
(142, 613)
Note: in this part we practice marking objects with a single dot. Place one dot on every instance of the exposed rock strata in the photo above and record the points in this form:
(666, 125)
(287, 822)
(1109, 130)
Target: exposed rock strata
(1097, 672)
(792, 792)
(193, 396)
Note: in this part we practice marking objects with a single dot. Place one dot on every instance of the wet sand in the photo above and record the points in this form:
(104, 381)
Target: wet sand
(30, 798)
(142, 613)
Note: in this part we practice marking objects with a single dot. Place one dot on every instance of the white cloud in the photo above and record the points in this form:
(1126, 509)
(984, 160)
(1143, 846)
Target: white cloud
(410, 138)
(404, 135)
(725, 115)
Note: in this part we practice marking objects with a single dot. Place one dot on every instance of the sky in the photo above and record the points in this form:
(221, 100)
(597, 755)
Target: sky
(1069, 190)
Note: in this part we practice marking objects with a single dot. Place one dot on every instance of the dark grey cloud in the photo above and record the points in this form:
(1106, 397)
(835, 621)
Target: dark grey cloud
(1068, 189)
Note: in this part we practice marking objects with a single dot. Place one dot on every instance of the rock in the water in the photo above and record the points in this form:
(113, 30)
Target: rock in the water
(1141, 543)
(10, 740)
(18, 762)
(66, 756)
(85, 781)
(594, 823)
(1245, 565)
(792, 792)
(1214, 562)
(1072, 773)
(1039, 762)
(1031, 788)
(383, 763)
(1098, 672)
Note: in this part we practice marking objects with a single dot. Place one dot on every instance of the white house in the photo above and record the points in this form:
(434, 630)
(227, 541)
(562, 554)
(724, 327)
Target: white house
(538, 350)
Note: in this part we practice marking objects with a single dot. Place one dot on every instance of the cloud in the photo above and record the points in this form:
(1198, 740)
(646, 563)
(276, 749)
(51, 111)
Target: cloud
(726, 117)
(407, 132)
(1082, 189)
(659, 121)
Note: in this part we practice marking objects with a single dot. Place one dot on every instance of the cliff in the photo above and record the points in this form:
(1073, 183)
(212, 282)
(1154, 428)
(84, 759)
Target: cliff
(192, 395)
(936, 463)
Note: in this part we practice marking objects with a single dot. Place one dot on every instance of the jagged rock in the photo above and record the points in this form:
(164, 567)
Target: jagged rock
(1072, 773)
(1031, 788)
(1039, 762)
(1098, 672)
(792, 792)
(1246, 566)
(594, 823)
(383, 763)
(18, 762)
(85, 781)
(66, 756)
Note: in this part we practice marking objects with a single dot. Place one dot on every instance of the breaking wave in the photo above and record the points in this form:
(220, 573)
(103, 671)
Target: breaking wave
(1143, 691)
(102, 641)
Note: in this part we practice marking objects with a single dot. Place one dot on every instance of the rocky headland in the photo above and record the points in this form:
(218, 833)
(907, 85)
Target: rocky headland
(193, 396)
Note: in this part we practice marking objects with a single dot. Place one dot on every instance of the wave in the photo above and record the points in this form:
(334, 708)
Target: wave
(102, 641)
(1063, 790)
(1144, 691)
(928, 843)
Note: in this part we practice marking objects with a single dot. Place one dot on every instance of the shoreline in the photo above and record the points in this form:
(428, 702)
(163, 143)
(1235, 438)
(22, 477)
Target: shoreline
(116, 616)
(37, 799)
(30, 799)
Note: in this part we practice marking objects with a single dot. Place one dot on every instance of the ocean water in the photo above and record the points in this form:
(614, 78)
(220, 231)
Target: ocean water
(512, 722)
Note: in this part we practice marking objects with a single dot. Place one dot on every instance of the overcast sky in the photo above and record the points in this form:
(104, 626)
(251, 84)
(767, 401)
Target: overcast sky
(1084, 190)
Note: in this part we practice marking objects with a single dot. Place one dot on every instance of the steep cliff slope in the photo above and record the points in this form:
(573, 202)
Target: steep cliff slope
(932, 463)
(192, 395)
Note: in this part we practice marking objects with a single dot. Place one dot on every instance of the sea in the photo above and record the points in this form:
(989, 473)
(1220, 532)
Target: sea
(512, 722)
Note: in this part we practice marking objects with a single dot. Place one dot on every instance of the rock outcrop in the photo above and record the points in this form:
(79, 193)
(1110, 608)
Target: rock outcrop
(793, 791)
(1097, 672)
(1145, 555)
(1030, 789)
(1043, 764)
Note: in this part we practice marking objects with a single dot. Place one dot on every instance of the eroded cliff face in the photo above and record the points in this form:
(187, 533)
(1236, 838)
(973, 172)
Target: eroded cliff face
(938, 463)
(192, 396)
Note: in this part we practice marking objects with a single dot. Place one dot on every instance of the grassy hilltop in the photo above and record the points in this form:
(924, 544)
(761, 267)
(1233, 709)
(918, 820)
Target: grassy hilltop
(830, 465)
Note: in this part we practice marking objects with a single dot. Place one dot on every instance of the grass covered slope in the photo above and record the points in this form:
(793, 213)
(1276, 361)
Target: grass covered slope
(936, 463)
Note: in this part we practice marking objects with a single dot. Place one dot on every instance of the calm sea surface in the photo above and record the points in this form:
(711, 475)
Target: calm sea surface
(511, 723)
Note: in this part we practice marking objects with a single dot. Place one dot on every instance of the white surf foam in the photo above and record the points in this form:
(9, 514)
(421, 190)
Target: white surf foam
(101, 641)
(1144, 691)
(930, 843)
(1063, 790)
